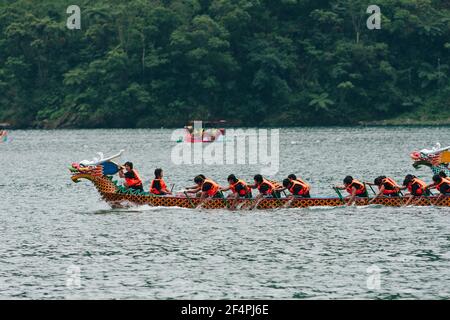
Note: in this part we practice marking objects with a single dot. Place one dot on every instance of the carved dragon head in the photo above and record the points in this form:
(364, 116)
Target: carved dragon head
(437, 159)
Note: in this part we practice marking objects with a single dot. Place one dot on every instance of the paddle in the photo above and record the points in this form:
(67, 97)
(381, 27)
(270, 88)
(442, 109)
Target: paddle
(190, 201)
(224, 200)
(339, 194)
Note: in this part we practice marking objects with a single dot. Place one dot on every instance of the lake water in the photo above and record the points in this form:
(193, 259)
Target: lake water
(60, 241)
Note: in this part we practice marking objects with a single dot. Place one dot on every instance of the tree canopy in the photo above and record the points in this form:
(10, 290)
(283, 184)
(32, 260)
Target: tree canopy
(153, 63)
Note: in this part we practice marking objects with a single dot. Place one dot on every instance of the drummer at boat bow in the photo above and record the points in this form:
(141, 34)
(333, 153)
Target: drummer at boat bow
(132, 179)
(158, 186)
(208, 188)
(355, 188)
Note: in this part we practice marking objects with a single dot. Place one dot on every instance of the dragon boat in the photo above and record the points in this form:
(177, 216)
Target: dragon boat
(101, 171)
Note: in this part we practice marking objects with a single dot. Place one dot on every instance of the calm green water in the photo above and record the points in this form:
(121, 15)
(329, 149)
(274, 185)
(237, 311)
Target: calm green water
(49, 225)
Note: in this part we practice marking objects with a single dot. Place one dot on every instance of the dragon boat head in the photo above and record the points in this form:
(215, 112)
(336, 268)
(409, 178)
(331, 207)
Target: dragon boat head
(437, 159)
(99, 171)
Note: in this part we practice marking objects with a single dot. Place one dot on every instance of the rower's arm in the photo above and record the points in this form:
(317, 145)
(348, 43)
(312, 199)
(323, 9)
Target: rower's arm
(353, 197)
(378, 194)
(224, 188)
(121, 173)
(191, 190)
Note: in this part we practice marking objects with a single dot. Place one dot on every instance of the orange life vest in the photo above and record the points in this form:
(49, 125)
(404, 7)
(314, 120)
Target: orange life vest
(443, 181)
(360, 188)
(157, 190)
(214, 188)
(270, 185)
(136, 181)
(242, 192)
(419, 191)
(393, 186)
(303, 191)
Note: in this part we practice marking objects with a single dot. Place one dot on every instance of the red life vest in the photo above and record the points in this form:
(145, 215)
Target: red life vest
(393, 186)
(243, 192)
(270, 188)
(136, 181)
(303, 191)
(360, 188)
(419, 182)
(157, 190)
(214, 188)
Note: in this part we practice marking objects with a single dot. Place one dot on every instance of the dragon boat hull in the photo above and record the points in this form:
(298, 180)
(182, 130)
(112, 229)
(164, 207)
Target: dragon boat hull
(112, 195)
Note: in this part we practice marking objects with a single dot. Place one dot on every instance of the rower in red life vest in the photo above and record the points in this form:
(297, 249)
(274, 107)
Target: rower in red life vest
(132, 179)
(158, 186)
(355, 189)
(415, 186)
(387, 187)
(297, 187)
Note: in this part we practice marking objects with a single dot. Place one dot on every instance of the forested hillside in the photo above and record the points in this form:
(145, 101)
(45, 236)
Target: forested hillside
(153, 63)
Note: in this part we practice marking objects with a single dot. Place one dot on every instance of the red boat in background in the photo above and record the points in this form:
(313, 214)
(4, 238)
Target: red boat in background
(204, 131)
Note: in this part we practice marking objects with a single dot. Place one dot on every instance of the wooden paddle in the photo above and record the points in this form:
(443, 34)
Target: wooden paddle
(190, 201)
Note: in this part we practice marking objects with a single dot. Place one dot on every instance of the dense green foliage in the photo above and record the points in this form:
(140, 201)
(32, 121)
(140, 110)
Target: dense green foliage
(160, 63)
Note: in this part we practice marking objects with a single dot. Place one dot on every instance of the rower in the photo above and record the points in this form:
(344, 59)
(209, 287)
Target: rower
(442, 174)
(132, 179)
(238, 188)
(415, 186)
(208, 188)
(265, 187)
(386, 186)
(296, 188)
(158, 186)
(355, 189)
(441, 184)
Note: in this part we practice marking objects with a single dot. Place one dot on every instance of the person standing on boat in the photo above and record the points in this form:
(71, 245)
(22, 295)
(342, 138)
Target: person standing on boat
(132, 179)
(355, 188)
(387, 187)
(415, 186)
(158, 186)
(296, 188)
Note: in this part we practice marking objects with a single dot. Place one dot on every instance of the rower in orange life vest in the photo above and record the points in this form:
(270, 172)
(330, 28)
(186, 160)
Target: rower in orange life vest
(208, 188)
(132, 179)
(354, 188)
(387, 187)
(415, 186)
(441, 184)
(297, 187)
(158, 186)
(266, 188)
(238, 188)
